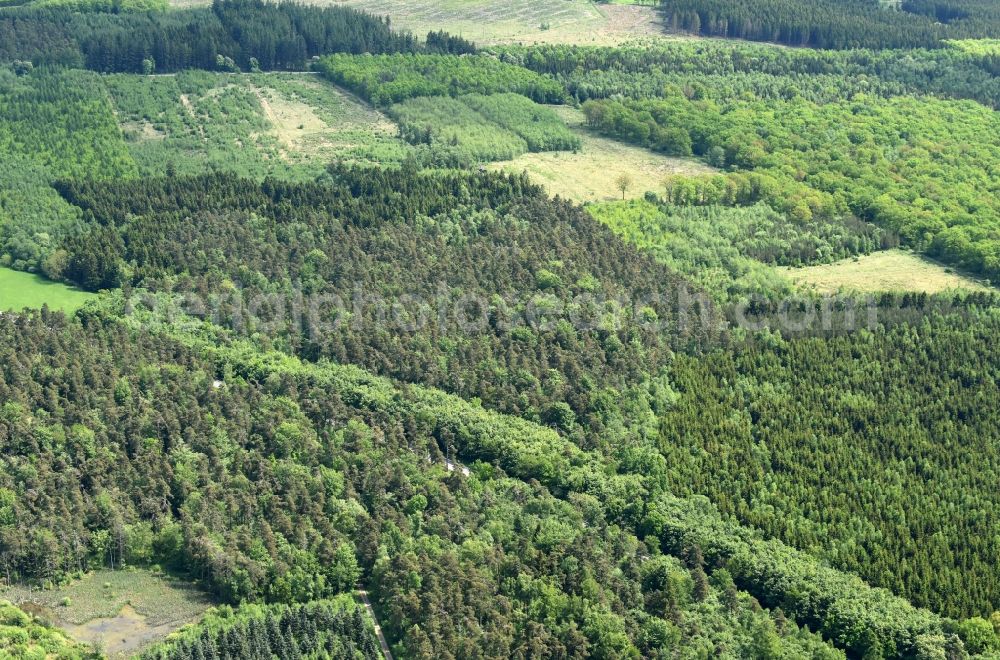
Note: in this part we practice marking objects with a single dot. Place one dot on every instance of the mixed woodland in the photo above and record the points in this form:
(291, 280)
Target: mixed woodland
(525, 427)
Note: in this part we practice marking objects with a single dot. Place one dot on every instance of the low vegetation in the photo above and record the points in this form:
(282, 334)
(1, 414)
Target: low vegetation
(19, 290)
(118, 611)
(710, 245)
(889, 270)
(317, 122)
(476, 129)
(102, 594)
(287, 125)
(588, 174)
(731, 251)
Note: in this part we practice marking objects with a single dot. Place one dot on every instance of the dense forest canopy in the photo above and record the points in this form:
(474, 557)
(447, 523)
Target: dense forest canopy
(320, 629)
(533, 263)
(340, 487)
(126, 223)
(962, 70)
(529, 428)
(231, 35)
(837, 24)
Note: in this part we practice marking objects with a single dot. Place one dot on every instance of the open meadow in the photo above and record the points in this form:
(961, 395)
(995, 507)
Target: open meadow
(522, 21)
(889, 270)
(588, 174)
(19, 290)
(120, 611)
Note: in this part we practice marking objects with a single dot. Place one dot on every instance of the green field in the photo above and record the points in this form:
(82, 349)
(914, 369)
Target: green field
(522, 21)
(19, 290)
(588, 175)
(121, 611)
(891, 270)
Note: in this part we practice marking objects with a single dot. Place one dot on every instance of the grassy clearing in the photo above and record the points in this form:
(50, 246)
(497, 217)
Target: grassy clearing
(121, 611)
(891, 270)
(315, 120)
(588, 176)
(520, 21)
(19, 290)
(288, 125)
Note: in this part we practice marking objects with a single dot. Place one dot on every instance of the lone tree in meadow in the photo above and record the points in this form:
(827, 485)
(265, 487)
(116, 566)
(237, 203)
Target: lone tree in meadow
(623, 182)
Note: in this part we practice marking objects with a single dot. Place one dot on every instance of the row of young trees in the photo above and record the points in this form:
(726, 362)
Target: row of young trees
(387, 79)
(447, 124)
(319, 629)
(540, 127)
(476, 128)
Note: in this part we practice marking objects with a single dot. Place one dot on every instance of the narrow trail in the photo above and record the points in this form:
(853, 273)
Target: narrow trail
(363, 595)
